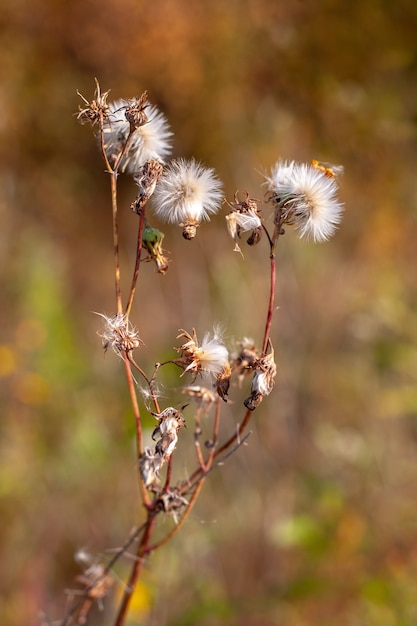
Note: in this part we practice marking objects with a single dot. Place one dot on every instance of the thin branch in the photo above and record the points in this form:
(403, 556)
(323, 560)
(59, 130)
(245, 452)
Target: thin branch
(141, 226)
(271, 304)
(134, 575)
(138, 424)
(120, 552)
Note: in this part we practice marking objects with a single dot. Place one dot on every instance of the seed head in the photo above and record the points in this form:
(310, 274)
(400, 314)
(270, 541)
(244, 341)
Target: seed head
(212, 356)
(202, 396)
(96, 581)
(171, 501)
(169, 423)
(146, 180)
(263, 380)
(186, 194)
(149, 467)
(246, 359)
(244, 217)
(96, 111)
(119, 334)
(135, 112)
(145, 129)
(305, 196)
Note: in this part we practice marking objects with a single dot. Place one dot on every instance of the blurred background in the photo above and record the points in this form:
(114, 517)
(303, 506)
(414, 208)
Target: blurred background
(315, 521)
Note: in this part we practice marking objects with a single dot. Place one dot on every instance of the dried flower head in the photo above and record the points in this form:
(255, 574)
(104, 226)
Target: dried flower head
(211, 356)
(97, 581)
(135, 112)
(203, 396)
(263, 380)
(146, 180)
(127, 131)
(305, 196)
(172, 501)
(244, 217)
(119, 334)
(96, 111)
(186, 194)
(150, 464)
(170, 420)
(223, 382)
(245, 360)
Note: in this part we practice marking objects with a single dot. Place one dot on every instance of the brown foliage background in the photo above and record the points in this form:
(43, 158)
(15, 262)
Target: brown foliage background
(315, 521)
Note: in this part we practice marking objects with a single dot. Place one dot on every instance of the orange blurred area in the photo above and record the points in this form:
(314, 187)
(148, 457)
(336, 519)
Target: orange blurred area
(314, 522)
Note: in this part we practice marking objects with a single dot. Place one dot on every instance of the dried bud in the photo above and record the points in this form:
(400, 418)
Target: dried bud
(189, 228)
(255, 236)
(172, 501)
(263, 380)
(244, 217)
(146, 180)
(223, 382)
(169, 423)
(201, 395)
(96, 111)
(247, 357)
(167, 444)
(135, 111)
(96, 580)
(149, 466)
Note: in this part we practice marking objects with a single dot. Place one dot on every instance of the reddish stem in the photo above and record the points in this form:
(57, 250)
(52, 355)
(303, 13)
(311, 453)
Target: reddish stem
(138, 424)
(270, 304)
(134, 574)
(137, 263)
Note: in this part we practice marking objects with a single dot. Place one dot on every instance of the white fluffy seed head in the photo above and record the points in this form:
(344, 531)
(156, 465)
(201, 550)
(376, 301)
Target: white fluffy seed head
(152, 140)
(211, 356)
(306, 196)
(187, 191)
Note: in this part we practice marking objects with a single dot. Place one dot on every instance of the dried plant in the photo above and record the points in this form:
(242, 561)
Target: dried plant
(135, 138)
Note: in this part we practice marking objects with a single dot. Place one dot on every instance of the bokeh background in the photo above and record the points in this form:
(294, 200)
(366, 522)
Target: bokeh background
(315, 521)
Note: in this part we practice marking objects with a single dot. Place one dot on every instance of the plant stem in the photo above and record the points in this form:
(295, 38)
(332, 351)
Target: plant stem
(134, 574)
(270, 304)
(113, 182)
(137, 263)
(138, 424)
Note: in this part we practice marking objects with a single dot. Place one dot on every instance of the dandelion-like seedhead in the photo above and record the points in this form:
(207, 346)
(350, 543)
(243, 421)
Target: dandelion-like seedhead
(186, 194)
(150, 139)
(305, 195)
(119, 334)
(211, 356)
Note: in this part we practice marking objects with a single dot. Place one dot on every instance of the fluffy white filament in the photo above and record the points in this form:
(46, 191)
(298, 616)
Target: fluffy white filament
(307, 197)
(152, 140)
(187, 191)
